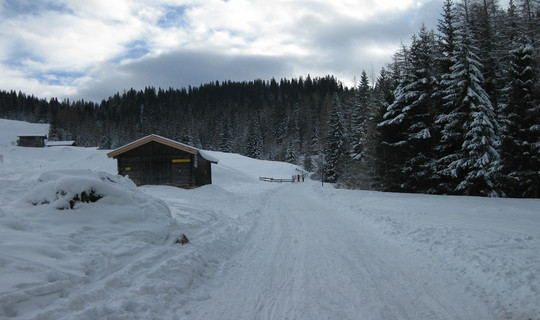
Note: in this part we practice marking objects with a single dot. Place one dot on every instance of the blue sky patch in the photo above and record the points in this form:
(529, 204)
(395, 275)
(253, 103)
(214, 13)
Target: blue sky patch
(24, 7)
(58, 78)
(173, 17)
(134, 50)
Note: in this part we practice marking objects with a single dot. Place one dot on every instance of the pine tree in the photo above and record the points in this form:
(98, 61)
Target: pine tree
(364, 138)
(254, 146)
(482, 28)
(469, 137)
(410, 116)
(308, 163)
(392, 126)
(445, 51)
(530, 22)
(336, 143)
(186, 137)
(225, 137)
(315, 143)
(447, 37)
(359, 117)
(290, 153)
(522, 125)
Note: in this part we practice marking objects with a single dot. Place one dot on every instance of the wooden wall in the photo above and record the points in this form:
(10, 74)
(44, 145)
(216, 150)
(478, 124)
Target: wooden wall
(31, 141)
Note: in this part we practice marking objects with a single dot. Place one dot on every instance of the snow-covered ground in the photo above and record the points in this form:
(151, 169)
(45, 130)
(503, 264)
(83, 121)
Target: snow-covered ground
(257, 250)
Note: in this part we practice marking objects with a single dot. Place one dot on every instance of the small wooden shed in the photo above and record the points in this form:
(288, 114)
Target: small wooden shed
(32, 140)
(160, 161)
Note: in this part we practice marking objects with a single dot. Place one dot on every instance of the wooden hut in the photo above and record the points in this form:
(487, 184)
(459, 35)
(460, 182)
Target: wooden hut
(32, 140)
(161, 161)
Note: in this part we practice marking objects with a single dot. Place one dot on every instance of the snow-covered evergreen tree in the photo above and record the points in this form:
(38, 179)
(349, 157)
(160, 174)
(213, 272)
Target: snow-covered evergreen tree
(55, 133)
(308, 163)
(447, 37)
(291, 153)
(484, 28)
(254, 146)
(410, 116)
(469, 156)
(391, 125)
(294, 128)
(225, 137)
(364, 139)
(359, 117)
(187, 137)
(336, 149)
(444, 52)
(522, 123)
(315, 143)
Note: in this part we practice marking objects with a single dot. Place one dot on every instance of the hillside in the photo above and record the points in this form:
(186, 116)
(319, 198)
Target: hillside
(257, 250)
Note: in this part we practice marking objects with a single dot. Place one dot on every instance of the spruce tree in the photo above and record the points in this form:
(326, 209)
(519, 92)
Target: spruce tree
(411, 116)
(225, 137)
(336, 143)
(521, 152)
(359, 117)
(290, 153)
(392, 125)
(364, 138)
(187, 137)
(469, 142)
(447, 37)
(254, 146)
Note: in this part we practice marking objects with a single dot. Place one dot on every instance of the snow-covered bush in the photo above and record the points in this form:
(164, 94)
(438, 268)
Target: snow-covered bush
(102, 200)
(67, 188)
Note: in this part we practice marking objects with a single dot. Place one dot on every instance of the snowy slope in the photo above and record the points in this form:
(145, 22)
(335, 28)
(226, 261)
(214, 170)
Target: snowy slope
(11, 129)
(257, 250)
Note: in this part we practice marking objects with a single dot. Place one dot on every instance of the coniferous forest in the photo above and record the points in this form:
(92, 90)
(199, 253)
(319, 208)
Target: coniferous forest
(455, 112)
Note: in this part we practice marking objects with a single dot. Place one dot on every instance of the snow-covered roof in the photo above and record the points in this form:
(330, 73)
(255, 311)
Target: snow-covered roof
(162, 140)
(207, 156)
(32, 135)
(60, 143)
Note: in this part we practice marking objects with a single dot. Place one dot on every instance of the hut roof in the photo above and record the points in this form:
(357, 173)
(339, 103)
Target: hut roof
(32, 135)
(60, 143)
(156, 138)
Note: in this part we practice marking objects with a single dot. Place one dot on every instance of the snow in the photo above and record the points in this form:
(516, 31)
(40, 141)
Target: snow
(257, 250)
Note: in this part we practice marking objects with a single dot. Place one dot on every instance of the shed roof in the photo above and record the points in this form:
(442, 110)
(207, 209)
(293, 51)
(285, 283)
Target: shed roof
(60, 143)
(32, 136)
(150, 138)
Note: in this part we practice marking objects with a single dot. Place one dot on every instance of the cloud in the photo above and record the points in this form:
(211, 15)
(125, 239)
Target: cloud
(93, 48)
(181, 69)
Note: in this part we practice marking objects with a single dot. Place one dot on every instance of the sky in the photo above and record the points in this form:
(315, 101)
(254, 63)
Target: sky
(94, 48)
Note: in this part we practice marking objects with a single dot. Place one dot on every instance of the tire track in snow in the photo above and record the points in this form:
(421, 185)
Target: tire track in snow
(309, 258)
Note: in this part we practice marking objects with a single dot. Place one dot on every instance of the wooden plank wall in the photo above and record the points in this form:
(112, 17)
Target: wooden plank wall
(158, 164)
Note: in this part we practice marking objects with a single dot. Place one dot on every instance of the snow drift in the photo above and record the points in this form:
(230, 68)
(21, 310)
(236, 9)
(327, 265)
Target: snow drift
(74, 228)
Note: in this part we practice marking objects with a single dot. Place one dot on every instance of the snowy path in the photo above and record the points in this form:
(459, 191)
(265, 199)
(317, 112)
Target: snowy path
(304, 260)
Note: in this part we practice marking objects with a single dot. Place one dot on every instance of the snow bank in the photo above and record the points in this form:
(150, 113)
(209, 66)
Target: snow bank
(50, 247)
(492, 245)
(102, 200)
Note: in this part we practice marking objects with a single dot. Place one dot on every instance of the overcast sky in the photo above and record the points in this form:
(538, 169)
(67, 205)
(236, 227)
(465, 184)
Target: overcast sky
(92, 49)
